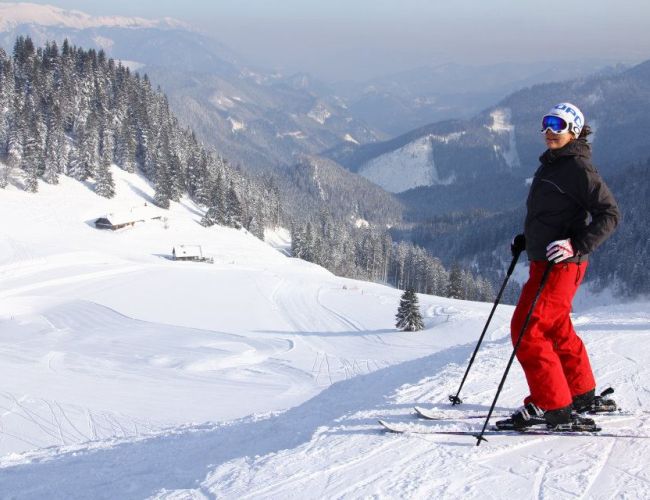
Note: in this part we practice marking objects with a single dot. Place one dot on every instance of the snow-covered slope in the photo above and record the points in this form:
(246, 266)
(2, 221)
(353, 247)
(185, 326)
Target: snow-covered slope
(414, 164)
(408, 167)
(124, 374)
(502, 124)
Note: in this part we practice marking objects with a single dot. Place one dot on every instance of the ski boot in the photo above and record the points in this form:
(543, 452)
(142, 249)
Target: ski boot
(590, 403)
(524, 417)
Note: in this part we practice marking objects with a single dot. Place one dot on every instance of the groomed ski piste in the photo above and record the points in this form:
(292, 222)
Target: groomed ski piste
(124, 374)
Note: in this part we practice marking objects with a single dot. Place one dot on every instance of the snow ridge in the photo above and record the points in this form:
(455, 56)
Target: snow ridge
(15, 14)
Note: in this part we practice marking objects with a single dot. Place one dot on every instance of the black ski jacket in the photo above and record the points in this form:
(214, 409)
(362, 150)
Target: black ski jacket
(568, 199)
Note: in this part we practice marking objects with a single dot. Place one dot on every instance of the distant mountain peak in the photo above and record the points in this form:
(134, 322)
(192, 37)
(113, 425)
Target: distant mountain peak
(15, 14)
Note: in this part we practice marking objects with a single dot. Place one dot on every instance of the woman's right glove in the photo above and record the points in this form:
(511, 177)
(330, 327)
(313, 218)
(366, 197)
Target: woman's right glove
(518, 245)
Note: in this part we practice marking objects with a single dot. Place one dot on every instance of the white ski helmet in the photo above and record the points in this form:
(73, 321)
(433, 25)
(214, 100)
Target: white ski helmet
(573, 118)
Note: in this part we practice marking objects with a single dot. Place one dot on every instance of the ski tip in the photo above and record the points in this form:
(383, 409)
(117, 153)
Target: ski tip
(386, 426)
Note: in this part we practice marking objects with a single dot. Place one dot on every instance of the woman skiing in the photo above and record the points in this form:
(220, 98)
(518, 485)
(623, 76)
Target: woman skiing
(570, 211)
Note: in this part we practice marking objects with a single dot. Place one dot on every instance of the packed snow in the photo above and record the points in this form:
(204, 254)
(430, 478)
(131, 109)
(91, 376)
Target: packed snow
(125, 374)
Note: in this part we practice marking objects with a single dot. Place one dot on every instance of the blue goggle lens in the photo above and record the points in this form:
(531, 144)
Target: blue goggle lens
(555, 123)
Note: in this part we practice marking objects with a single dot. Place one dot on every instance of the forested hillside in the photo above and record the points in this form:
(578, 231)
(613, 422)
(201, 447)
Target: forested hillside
(481, 238)
(75, 112)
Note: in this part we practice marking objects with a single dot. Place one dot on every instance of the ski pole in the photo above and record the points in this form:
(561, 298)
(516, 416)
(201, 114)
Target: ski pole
(545, 276)
(455, 400)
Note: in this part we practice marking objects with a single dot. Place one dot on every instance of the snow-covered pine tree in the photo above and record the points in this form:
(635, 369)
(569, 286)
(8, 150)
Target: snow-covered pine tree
(104, 183)
(32, 161)
(296, 241)
(409, 318)
(233, 208)
(6, 99)
(15, 142)
(163, 183)
(126, 145)
(256, 222)
(456, 282)
(196, 175)
(86, 155)
(55, 149)
(216, 213)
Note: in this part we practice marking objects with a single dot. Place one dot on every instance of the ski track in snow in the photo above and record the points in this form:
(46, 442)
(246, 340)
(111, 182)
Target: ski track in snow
(330, 446)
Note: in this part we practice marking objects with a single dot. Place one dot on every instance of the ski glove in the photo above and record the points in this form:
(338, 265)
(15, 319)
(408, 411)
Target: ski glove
(518, 245)
(559, 250)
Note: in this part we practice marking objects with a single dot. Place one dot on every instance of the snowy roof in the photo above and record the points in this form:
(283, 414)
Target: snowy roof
(134, 214)
(188, 251)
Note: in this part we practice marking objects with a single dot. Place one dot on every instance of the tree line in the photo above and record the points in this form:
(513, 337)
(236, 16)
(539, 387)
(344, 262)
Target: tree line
(369, 253)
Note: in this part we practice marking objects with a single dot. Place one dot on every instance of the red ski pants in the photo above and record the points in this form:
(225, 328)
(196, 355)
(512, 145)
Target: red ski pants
(553, 357)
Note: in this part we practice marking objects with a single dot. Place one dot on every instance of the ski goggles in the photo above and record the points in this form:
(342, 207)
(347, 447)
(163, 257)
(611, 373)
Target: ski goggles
(555, 124)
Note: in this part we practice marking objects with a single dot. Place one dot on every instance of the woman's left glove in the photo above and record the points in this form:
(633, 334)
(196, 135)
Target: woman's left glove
(559, 250)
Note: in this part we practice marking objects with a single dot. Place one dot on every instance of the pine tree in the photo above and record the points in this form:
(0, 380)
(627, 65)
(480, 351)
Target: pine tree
(297, 238)
(32, 162)
(233, 208)
(456, 283)
(86, 157)
(408, 314)
(126, 145)
(216, 213)
(256, 222)
(55, 151)
(104, 183)
(163, 184)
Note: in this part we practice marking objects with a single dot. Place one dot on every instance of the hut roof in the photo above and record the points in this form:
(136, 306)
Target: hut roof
(134, 214)
(188, 251)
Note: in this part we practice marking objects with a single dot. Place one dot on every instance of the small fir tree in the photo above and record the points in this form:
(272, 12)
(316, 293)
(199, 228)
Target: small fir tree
(408, 314)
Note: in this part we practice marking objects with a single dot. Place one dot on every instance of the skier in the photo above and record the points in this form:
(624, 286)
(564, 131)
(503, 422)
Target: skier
(570, 211)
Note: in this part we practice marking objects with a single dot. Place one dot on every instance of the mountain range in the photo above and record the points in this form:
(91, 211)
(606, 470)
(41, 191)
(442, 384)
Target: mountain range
(262, 119)
(500, 145)
(307, 133)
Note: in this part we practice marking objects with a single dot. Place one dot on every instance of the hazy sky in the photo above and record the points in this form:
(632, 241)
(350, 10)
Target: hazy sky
(338, 39)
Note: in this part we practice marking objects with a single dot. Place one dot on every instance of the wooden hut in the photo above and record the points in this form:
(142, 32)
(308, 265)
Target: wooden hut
(127, 218)
(192, 253)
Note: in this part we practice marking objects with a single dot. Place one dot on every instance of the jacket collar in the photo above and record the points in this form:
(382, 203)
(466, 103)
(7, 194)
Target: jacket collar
(579, 147)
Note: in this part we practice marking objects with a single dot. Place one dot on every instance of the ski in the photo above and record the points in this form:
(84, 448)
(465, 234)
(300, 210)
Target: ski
(401, 428)
(441, 415)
